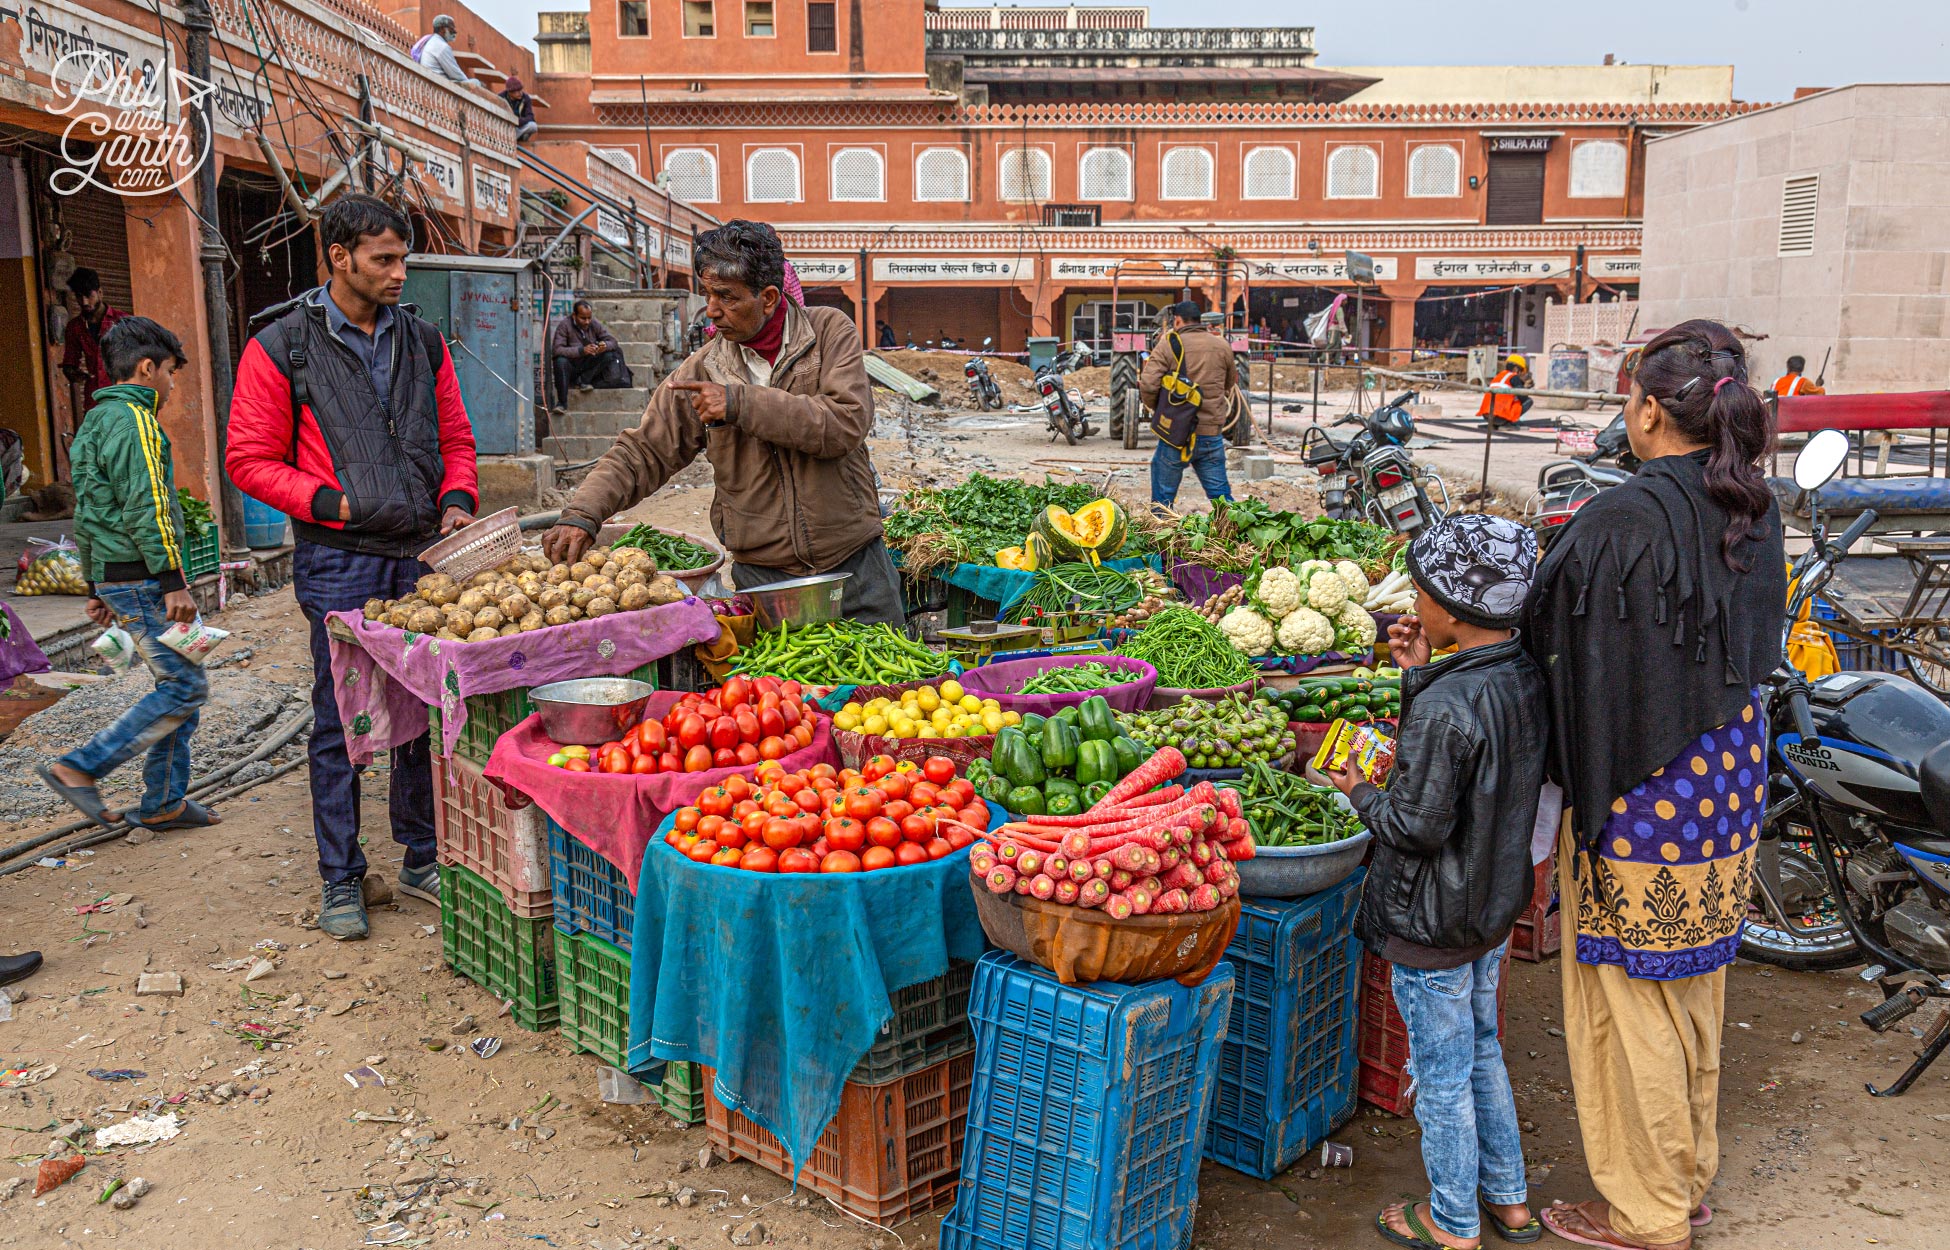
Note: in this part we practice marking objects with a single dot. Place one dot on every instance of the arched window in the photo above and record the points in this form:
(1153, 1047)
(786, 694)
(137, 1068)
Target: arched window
(941, 174)
(1105, 174)
(622, 158)
(1025, 175)
(1353, 173)
(772, 176)
(1269, 174)
(859, 174)
(693, 175)
(1187, 174)
(1435, 169)
(1598, 170)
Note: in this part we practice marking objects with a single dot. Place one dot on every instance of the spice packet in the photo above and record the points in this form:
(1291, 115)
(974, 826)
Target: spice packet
(194, 641)
(117, 647)
(1372, 751)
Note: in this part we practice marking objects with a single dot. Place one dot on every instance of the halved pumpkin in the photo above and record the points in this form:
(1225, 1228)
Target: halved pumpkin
(1089, 534)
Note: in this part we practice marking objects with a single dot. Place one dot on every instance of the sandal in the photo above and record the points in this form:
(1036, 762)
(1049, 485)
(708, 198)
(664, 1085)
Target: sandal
(85, 799)
(1597, 1230)
(1522, 1234)
(1701, 1217)
(1423, 1237)
(189, 815)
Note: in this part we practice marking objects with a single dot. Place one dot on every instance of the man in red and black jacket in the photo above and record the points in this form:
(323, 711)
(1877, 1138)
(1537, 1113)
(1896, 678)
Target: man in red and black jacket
(348, 418)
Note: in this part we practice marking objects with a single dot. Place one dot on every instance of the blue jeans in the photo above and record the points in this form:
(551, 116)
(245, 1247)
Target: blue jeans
(1208, 461)
(1463, 1102)
(330, 580)
(161, 721)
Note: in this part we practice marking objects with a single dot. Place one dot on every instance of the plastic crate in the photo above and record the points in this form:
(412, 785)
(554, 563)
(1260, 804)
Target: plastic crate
(683, 1091)
(681, 670)
(1855, 655)
(474, 828)
(893, 1152)
(511, 957)
(491, 715)
(201, 553)
(1286, 1068)
(1382, 1039)
(1539, 931)
(591, 896)
(929, 1024)
(592, 986)
(923, 594)
(1090, 1108)
(965, 606)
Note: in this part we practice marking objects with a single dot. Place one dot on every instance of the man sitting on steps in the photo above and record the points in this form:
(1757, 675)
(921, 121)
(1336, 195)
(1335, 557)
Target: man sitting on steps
(585, 355)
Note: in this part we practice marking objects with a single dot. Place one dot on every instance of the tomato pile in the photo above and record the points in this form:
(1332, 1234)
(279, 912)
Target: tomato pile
(745, 721)
(824, 819)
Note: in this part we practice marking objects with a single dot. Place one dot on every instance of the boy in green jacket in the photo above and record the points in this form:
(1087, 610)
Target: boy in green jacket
(129, 531)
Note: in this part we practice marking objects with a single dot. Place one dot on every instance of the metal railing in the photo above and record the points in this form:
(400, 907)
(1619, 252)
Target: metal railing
(635, 223)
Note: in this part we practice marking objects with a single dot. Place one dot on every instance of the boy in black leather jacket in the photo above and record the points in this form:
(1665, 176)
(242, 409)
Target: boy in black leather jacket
(1451, 869)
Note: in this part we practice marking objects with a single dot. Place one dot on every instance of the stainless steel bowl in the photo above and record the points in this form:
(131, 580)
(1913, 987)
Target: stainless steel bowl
(1296, 871)
(590, 711)
(801, 601)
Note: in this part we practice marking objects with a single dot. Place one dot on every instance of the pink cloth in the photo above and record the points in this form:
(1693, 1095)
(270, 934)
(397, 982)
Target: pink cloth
(615, 815)
(388, 678)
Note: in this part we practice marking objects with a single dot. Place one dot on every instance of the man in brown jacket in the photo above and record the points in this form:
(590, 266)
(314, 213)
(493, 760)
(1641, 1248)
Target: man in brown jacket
(778, 401)
(1206, 364)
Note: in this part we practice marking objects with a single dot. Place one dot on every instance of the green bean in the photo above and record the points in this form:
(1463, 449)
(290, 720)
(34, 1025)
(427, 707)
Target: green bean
(1076, 678)
(1287, 810)
(667, 550)
(835, 653)
(1189, 652)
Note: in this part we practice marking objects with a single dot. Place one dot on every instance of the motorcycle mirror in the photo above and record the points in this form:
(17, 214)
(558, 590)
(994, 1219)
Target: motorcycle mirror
(1821, 459)
(986, 342)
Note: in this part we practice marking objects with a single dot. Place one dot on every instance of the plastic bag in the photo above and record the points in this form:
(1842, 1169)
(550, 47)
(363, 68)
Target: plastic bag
(117, 648)
(50, 568)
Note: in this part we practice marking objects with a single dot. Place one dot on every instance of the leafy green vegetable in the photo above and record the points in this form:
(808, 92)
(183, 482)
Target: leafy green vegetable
(197, 517)
(1075, 587)
(1238, 535)
(984, 514)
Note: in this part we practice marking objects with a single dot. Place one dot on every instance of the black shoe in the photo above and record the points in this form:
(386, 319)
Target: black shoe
(19, 967)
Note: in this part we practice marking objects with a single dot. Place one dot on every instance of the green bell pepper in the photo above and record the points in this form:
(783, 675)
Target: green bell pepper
(1096, 761)
(1018, 757)
(1130, 753)
(1066, 713)
(1059, 747)
(978, 771)
(1062, 798)
(1032, 725)
(1095, 794)
(1025, 801)
(995, 789)
(1094, 719)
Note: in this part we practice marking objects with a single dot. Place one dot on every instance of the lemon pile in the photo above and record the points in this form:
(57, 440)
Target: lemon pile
(944, 711)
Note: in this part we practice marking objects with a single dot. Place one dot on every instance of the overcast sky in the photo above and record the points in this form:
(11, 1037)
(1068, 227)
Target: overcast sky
(1773, 45)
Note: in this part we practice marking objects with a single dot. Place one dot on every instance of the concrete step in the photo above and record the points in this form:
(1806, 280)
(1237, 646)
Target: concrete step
(630, 330)
(649, 356)
(607, 424)
(627, 306)
(577, 448)
(632, 401)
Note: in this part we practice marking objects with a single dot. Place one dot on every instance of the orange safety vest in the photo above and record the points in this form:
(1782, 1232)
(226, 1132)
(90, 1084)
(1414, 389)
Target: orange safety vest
(1794, 384)
(1503, 407)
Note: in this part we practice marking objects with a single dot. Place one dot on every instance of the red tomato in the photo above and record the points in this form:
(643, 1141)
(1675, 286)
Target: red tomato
(747, 721)
(710, 826)
(897, 809)
(743, 807)
(976, 818)
(791, 783)
(727, 857)
(759, 859)
(840, 861)
(733, 834)
(735, 692)
(959, 837)
(753, 822)
(911, 853)
(686, 819)
(893, 785)
(883, 831)
(691, 731)
(697, 759)
(802, 733)
(686, 841)
(768, 698)
(737, 787)
(939, 769)
(670, 762)
(724, 734)
(809, 826)
(826, 771)
(781, 804)
(846, 834)
(747, 753)
(917, 828)
(877, 767)
(702, 851)
(819, 848)
(791, 711)
(716, 801)
(940, 848)
(809, 800)
(650, 737)
(863, 803)
(763, 686)
(780, 834)
(644, 765)
(710, 697)
(770, 723)
(924, 794)
(724, 757)
(798, 859)
(958, 793)
(877, 857)
(772, 748)
(791, 689)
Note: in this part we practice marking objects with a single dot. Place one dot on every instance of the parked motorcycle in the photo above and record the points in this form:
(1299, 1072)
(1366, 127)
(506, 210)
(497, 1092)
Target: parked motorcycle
(981, 384)
(1564, 486)
(1370, 476)
(1853, 862)
(1064, 406)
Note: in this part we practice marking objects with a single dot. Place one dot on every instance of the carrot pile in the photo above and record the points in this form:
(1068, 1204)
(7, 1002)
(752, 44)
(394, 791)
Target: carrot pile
(1139, 851)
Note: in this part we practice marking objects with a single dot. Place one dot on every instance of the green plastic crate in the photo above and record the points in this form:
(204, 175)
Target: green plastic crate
(592, 982)
(682, 1093)
(491, 715)
(512, 958)
(201, 554)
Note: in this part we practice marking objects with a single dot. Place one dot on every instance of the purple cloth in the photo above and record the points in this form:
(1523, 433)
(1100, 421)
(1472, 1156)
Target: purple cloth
(1198, 583)
(388, 678)
(19, 653)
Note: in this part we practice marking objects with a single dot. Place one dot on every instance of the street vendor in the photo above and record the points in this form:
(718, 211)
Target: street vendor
(778, 400)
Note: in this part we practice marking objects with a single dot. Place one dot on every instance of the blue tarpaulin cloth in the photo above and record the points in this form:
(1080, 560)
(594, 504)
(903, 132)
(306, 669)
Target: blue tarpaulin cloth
(1007, 585)
(1889, 496)
(781, 982)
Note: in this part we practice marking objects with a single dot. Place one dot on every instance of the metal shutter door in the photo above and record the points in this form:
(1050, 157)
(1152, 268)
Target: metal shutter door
(1516, 191)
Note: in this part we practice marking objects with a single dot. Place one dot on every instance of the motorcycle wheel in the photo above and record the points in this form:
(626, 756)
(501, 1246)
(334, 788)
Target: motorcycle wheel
(1931, 676)
(1068, 428)
(1816, 938)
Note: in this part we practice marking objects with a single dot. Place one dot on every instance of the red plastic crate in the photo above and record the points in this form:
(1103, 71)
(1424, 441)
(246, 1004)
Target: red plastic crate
(475, 829)
(1381, 1038)
(892, 1152)
(1539, 932)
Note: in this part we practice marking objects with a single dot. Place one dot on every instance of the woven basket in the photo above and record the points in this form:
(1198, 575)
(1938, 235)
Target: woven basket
(493, 540)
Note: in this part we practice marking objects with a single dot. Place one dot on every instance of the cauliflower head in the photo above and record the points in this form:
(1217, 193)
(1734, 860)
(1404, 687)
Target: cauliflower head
(1357, 581)
(1355, 626)
(1326, 592)
(1248, 631)
(1279, 591)
(1306, 632)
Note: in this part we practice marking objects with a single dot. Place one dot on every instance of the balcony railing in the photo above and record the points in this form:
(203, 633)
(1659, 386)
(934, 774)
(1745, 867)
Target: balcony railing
(1149, 40)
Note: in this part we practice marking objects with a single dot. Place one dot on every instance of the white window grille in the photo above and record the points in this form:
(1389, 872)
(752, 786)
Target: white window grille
(622, 158)
(1025, 175)
(1798, 197)
(1105, 174)
(859, 174)
(772, 176)
(1269, 174)
(1434, 169)
(941, 174)
(1598, 170)
(693, 175)
(1187, 174)
(1353, 173)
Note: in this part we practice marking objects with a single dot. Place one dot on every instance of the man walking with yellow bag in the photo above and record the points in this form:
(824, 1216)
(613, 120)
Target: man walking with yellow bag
(1185, 383)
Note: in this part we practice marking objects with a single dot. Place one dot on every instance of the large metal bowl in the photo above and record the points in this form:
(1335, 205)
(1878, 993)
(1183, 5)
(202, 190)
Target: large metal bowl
(590, 711)
(801, 601)
(1296, 871)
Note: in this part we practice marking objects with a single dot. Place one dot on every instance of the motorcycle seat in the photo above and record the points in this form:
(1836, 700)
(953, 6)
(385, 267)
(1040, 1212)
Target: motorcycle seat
(1933, 776)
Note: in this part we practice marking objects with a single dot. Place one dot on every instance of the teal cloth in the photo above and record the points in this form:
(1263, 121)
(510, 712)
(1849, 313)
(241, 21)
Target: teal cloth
(781, 983)
(998, 585)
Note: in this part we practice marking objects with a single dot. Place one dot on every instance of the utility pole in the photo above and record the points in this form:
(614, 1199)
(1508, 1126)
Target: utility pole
(216, 299)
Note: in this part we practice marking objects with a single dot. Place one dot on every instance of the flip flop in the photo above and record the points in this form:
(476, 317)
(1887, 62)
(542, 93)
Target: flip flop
(85, 799)
(192, 815)
(1702, 1216)
(1522, 1234)
(1423, 1235)
(1557, 1228)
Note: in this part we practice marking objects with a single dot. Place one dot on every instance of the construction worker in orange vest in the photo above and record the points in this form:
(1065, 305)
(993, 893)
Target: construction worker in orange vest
(1792, 383)
(1508, 408)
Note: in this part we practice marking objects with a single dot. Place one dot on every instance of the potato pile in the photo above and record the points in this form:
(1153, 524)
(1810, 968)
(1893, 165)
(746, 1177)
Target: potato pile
(528, 593)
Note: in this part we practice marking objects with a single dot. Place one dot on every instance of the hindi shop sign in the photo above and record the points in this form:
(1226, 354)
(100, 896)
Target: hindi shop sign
(951, 268)
(1618, 268)
(1453, 269)
(1316, 269)
(826, 270)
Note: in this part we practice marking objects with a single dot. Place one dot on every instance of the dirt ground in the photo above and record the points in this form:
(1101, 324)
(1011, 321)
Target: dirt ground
(278, 1148)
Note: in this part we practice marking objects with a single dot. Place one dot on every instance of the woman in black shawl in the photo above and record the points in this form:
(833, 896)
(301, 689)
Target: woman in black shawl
(1656, 616)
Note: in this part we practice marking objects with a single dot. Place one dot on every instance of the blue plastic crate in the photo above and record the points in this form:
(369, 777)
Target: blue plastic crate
(591, 896)
(1854, 655)
(1287, 1070)
(1088, 1110)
